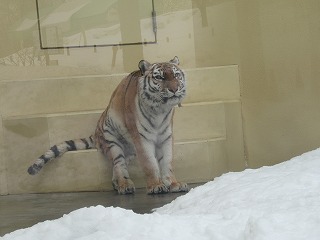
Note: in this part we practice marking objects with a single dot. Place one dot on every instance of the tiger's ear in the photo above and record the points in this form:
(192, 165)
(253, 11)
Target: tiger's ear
(144, 66)
(175, 60)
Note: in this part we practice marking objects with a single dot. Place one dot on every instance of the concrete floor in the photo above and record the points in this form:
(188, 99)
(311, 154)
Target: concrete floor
(22, 211)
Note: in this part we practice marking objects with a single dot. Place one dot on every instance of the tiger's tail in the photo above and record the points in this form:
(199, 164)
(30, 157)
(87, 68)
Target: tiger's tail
(59, 149)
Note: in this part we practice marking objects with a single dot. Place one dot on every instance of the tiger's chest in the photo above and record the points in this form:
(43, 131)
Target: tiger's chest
(153, 124)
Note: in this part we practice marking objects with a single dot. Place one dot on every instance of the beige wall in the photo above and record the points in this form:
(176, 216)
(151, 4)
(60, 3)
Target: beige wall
(279, 69)
(275, 44)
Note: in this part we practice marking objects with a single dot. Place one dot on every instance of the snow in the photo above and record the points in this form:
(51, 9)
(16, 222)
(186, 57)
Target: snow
(277, 202)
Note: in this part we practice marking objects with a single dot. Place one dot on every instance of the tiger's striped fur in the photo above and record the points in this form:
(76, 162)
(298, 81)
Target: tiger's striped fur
(136, 124)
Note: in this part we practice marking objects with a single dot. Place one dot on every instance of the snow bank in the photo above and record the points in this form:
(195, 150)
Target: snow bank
(278, 202)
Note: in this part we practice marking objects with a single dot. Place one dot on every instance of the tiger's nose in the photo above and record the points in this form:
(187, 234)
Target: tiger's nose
(172, 87)
(173, 90)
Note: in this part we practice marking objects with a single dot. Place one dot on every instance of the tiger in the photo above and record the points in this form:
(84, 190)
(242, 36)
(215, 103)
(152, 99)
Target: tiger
(137, 124)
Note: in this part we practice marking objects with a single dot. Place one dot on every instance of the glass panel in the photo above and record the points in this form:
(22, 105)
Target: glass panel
(81, 23)
(200, 33)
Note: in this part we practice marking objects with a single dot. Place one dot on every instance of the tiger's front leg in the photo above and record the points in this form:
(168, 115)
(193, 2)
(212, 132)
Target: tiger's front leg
(150, 166)
(165, 156)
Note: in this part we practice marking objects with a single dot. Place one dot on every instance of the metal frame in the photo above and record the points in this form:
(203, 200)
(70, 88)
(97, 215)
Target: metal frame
(154, 23)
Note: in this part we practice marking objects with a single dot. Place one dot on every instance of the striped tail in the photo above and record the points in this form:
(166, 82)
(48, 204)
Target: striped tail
(58, 150)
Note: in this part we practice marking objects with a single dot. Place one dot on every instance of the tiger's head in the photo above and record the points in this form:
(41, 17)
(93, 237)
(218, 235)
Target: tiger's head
(162, 84)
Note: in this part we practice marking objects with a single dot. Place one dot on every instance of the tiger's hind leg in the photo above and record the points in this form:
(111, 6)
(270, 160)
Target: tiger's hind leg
(113, 142)
(120, 180)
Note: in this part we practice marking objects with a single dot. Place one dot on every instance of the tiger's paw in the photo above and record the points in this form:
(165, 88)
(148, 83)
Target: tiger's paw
(157, 189)
(179, 187)
(125, 186)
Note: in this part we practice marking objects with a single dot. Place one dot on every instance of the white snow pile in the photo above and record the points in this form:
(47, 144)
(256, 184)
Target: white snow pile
(279, 202)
